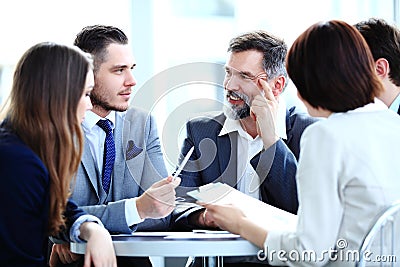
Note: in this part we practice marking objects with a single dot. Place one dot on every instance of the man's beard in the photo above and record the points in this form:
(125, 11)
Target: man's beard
(236, 112)
(98, 100)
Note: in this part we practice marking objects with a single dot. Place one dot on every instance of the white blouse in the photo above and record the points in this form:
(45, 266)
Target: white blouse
(349, 170)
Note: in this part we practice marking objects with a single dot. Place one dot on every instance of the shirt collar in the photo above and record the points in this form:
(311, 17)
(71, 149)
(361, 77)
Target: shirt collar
(92, 118)
(231, 125)
(376, 106)
(396, 103)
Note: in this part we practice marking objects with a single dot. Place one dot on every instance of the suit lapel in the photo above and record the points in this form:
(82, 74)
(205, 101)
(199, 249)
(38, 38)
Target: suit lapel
(227, 155)
(119, 168)
(288, 126)
(132, 131)
(92, 171)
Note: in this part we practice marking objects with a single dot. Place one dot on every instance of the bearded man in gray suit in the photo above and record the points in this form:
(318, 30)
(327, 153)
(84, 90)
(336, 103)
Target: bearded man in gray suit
(112, 188)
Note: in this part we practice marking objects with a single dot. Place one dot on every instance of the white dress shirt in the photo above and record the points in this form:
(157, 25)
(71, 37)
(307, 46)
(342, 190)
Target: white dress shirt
(96, 138)
(248, 180)
(395, 104)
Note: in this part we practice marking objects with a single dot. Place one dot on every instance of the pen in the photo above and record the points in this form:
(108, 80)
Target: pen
(183, 163)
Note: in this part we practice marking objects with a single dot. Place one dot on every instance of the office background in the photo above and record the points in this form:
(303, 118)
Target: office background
(179, 45)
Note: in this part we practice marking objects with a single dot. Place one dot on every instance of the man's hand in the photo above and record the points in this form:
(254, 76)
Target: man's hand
(264, 111)
(159, 200)
(60, 253)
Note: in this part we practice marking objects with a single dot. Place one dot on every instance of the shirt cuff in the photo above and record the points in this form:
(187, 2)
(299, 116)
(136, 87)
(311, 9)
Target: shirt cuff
(131, 212)
(74, 232)
(273, 248)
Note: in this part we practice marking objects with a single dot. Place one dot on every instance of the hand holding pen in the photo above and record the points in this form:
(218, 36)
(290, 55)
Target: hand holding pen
(183, 163)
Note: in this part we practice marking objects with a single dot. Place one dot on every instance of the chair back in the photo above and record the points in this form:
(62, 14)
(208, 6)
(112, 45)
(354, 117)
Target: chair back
(380, 246)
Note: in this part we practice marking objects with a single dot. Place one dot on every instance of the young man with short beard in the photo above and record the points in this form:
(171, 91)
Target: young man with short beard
(112, 188)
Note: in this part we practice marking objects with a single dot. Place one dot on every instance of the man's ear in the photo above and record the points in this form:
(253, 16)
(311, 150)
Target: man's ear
(279, 85)
(382, 68)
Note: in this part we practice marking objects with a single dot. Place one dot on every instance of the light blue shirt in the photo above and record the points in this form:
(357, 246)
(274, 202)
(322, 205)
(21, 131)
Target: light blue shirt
(96, 137)
(395, 104)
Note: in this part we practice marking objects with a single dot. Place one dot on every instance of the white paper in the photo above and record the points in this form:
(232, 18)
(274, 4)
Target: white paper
(265, 215)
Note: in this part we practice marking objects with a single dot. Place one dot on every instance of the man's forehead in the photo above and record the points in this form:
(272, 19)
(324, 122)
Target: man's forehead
(245, 60)
(248, 69)
(119, 54)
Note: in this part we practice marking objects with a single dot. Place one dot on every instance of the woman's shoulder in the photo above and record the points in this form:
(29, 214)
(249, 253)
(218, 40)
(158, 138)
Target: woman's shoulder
(12, 145)
(17, 157)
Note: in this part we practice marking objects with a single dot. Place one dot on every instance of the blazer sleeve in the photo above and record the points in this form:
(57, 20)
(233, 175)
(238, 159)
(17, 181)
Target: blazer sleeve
(72, 213)
(112, 215)
(154, 166)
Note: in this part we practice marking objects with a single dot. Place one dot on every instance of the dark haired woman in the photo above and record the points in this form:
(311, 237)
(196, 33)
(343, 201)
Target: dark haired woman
(40, 149)
(347, 172)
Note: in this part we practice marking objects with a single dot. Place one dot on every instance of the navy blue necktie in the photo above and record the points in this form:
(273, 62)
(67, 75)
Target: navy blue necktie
(109, 154)
(398, 111)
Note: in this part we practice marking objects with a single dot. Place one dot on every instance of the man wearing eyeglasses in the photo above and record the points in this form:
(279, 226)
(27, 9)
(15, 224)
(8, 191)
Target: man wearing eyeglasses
(228, 147)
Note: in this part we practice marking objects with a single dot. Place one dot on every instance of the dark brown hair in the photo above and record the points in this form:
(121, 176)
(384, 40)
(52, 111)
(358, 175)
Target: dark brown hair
(96, 38)
(49, 81)
(384, 41)
(332, 67)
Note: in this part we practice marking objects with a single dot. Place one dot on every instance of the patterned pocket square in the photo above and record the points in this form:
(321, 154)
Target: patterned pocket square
(132, 150)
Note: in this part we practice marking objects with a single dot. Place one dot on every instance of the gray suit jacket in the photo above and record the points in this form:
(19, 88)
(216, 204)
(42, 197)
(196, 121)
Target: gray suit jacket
(138, 164)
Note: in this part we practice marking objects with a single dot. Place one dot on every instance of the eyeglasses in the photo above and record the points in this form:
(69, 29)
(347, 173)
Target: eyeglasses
(243, 76)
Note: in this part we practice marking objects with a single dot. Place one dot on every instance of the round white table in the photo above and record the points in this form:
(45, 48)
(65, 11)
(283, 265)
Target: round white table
(211, 249)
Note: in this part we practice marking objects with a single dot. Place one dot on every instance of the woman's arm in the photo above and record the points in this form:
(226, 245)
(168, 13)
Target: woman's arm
(232, 219)
(99, 247)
